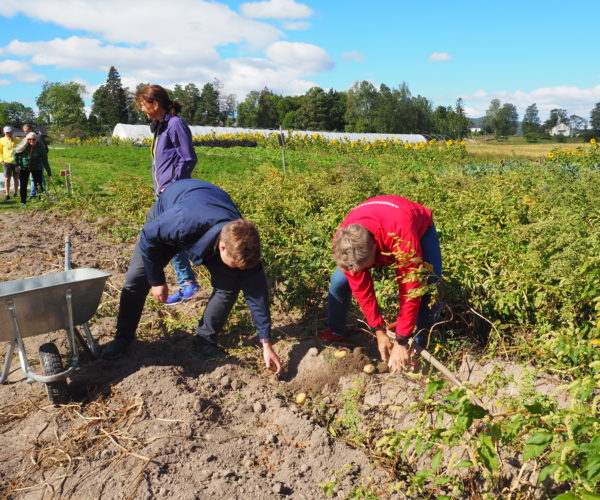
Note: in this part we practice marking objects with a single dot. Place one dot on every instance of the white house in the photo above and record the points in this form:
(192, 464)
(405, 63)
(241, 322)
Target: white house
(561, 129)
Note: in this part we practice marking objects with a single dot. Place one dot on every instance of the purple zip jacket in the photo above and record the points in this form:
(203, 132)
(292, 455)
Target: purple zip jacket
(173, 155)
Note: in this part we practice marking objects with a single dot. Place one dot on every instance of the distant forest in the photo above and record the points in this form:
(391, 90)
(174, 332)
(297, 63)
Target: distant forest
(363, 108)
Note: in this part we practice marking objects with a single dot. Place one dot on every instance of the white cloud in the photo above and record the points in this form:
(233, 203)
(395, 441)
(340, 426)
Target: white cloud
(573, 99)
(169, 43)
(276, 9)
(19, 70)
(439, 57)
(296, 26)
(354, 56)
(303, 57)
(4, 83)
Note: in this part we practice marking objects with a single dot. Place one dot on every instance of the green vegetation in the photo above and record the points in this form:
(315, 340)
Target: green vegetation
(521, 247)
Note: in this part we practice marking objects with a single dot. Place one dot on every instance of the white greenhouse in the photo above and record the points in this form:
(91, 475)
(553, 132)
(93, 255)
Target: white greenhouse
(140, 132)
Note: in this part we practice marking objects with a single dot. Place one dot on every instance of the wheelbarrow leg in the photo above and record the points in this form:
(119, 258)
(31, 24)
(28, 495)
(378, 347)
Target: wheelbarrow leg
(7, 361)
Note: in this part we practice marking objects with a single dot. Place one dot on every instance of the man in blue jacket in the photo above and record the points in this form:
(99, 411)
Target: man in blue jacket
(200, 218)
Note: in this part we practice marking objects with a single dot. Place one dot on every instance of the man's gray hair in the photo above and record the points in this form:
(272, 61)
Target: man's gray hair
(352, 247)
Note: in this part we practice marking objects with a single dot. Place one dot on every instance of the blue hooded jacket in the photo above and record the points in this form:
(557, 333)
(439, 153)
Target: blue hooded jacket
(189, 215)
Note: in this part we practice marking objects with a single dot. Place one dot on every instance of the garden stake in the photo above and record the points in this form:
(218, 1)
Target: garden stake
(427, 356)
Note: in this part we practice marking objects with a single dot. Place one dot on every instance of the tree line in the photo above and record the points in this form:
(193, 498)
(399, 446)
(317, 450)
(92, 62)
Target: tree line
(363, 108)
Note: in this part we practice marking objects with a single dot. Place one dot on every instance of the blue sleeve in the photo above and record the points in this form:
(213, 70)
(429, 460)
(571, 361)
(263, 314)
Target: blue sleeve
(181, 137)
(256, 294)
(158, 245)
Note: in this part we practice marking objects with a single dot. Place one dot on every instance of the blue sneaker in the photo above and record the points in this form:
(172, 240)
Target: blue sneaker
(183, 294)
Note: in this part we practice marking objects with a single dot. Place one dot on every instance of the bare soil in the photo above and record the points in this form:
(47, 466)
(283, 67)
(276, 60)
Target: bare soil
(161, 422)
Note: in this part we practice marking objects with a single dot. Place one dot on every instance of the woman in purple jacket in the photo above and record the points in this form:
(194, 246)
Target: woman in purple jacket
(173, 158)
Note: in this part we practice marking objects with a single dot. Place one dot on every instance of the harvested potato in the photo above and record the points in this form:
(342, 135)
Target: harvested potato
(340, 354)
(369, 369)
(301, 398)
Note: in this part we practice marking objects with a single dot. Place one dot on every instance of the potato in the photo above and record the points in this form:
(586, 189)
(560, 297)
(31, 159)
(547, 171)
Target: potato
(369, 369)
(340, 354)
(301, 398)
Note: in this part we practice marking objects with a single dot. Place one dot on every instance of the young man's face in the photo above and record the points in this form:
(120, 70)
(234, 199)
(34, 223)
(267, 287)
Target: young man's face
(225, 257)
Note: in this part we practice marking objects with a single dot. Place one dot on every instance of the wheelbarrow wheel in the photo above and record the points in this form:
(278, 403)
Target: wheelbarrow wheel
(58, 392)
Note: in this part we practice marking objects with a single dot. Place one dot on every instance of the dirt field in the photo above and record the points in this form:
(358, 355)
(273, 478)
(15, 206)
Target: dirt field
(163, 423)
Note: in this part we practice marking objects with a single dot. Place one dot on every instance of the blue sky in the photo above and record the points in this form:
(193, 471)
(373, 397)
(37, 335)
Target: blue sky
(520, 52)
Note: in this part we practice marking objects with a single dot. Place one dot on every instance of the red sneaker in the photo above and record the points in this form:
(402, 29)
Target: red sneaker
(330, 336)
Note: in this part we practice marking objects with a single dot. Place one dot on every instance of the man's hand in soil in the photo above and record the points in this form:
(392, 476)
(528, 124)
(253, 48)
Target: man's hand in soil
(160, 292)
(384, 344)
(271, 358)
(399, 358)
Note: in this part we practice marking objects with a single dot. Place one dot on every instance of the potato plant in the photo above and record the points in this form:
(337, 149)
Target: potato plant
(521, 256)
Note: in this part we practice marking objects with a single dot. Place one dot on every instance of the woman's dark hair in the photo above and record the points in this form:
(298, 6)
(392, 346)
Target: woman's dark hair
(156, 93)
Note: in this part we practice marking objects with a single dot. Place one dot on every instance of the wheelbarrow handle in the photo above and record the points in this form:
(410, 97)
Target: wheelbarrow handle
(68, 252)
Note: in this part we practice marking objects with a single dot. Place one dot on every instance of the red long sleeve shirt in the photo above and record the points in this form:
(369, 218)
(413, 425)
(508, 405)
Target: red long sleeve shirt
(394, 222)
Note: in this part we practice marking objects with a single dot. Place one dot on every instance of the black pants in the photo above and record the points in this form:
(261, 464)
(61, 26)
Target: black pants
(24, 179)
(227, 284)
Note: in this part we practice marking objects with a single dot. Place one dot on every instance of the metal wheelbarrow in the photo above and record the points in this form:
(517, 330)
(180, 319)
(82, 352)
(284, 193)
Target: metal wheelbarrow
(57, 301)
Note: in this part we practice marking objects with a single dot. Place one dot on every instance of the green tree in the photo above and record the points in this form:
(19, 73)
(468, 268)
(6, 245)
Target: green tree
(287, 107)
(490, 120)
(595, 117)
(15, 113)
(208, 111)
(451, 122)
(228, 107)
(361, 107)
(110, 103)
(266, 110)
(508, 120)
(61, 104)
(531, 120)
(189, 98)
(578, 123)
(247, 110)
(500, 119)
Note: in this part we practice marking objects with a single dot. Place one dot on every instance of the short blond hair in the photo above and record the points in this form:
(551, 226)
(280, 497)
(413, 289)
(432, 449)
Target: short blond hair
(352, 247)
(242, 242)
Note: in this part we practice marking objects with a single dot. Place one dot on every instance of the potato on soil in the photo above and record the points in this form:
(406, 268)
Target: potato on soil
(301, 398)
(340, 354)
(369, 369)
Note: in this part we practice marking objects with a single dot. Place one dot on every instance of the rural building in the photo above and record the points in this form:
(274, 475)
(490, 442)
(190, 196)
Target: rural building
(561, 129)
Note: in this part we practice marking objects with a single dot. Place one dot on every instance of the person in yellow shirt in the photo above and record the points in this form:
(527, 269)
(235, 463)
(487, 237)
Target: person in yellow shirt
(7, 156)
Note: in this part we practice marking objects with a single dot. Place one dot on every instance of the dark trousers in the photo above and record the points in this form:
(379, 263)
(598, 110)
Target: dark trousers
(24, 179)
(226, 283)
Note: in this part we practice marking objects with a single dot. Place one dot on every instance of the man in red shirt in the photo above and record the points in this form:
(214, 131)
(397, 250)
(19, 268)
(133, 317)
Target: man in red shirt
(382, 231)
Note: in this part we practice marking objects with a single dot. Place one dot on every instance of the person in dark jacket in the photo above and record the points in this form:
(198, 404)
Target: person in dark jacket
(201, 219)
(32, 160)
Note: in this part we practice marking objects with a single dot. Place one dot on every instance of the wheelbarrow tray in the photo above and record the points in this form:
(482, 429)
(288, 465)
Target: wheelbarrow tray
(40, 305)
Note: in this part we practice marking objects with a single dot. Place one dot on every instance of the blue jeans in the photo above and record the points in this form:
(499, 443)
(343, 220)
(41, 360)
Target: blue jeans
(183, 268)
(339, 298)
(33, 192)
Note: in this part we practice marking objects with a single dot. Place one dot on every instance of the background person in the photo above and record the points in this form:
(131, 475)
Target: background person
(200, 218)
(367, 238)
(26, 129)
(32, 159)
(8, 143)
(173, 158)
